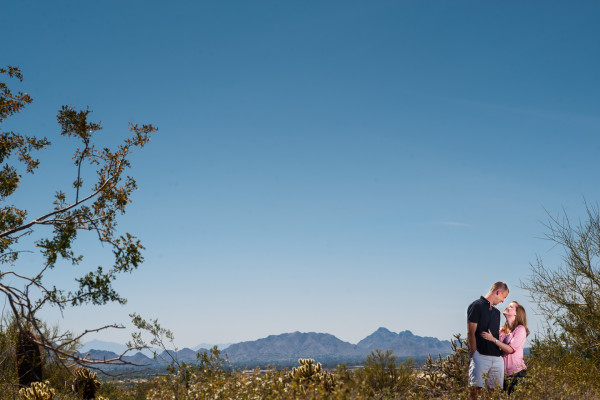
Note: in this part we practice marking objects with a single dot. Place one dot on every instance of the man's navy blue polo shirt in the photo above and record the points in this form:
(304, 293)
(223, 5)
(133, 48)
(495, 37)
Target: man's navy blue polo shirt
(487, 318)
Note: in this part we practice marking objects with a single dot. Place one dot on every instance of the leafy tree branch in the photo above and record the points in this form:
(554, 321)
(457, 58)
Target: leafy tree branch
(94, 207)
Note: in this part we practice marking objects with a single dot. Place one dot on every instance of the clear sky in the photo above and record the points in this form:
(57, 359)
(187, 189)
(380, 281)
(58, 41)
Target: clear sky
(328, 166)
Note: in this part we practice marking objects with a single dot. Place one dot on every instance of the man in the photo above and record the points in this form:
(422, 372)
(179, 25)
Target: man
(486, 366)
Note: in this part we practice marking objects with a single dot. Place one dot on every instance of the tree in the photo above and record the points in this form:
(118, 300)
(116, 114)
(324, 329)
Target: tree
(92, 208)
(569, 295)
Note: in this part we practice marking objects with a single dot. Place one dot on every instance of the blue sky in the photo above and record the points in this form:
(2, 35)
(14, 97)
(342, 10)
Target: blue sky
(320, 166)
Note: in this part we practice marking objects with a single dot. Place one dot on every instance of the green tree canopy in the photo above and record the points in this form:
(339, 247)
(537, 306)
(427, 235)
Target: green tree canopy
(94, 206)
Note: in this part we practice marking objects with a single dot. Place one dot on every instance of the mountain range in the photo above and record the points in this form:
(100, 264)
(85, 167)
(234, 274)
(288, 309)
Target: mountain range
(119, 348)
(286, 348)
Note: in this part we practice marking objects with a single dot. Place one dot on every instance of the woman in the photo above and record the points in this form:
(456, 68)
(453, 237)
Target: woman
(512, 340)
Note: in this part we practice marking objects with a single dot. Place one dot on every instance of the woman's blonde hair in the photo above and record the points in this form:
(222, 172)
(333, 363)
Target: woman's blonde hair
(520, 319)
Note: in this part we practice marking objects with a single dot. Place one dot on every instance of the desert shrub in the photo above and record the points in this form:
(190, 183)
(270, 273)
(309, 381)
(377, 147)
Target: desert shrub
(382, 376)
(182, 378)
(212, 379)
(125, 390)
(53, 371)
(8, 373)
(212, 363)
(557, 372)
(568, 294)
(446, 375)
(554, 372)
(565, 362)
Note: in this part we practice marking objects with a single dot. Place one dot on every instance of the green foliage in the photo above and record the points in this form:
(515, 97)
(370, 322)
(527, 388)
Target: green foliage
(449, 374)
(182, 377)
(92, 207)
(212, 363)
(159, 337)
(557, 372)
(554, 372)
(13, 145)
(382, 374)
(8, 373)
(569, 295)
(54, 372)
(125, 390)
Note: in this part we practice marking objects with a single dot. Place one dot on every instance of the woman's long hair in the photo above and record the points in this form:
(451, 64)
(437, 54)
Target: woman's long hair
(520, 319)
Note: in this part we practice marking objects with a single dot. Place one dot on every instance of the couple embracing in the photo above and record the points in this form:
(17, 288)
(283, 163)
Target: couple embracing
(495, 353)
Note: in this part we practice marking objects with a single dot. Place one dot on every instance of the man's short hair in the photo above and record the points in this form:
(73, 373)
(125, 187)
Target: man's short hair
(499, 286)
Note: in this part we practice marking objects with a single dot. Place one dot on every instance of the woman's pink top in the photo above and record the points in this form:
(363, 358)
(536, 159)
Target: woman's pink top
(513, 362)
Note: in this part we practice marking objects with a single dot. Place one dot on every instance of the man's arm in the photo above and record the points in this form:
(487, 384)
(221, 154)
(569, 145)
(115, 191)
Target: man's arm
(471, 328)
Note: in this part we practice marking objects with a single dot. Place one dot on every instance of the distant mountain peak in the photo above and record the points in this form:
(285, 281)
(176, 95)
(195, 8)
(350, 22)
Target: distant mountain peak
(380, 334)
(288, 347)
(404, 343)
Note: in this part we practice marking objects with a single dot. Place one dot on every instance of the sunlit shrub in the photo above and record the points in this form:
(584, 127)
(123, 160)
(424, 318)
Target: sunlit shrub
(309, 373)
(557, 372)
(381, 376)
(554, 372)
(37, 391)
(446, 375)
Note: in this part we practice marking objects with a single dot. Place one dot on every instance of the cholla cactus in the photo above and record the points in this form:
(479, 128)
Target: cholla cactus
(327, 380)
(86, 383)
(447, 373)
(456, 364)
(308, 371)
(37, 391)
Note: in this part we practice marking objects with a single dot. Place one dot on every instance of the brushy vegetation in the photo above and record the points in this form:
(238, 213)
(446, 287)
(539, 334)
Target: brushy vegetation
(554, 372)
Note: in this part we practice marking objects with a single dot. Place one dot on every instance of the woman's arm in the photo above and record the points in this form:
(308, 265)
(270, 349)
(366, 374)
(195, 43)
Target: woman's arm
(503, 346)
(519, 336)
